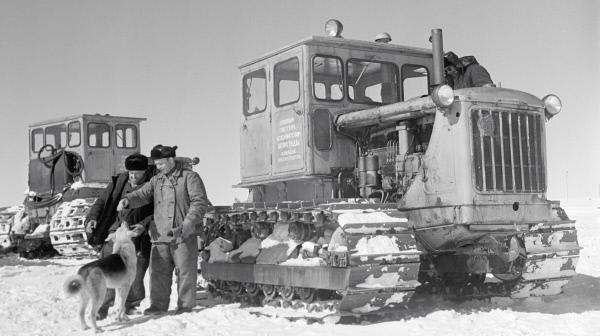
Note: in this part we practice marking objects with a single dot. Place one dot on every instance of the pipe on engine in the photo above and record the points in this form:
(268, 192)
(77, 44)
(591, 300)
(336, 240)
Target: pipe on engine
(437, 46)
(368, 165)
(412, 108)
(404, 110)
(403, 139)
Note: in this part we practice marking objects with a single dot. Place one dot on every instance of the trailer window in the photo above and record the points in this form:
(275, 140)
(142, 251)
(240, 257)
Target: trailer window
(287, 82)
(126, 136)
(37, 139)
(415, 81)
(328, 80)
(74, 133)
(56, 136)
(372, 82)
(255, 92)
(98, 135)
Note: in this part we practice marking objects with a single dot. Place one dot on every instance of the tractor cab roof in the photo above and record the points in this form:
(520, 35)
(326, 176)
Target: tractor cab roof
(97, 116)
(337, 42)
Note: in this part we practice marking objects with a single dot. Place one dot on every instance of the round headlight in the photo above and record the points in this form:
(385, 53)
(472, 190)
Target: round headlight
(333, 28)
(443, 96)
(552, 104)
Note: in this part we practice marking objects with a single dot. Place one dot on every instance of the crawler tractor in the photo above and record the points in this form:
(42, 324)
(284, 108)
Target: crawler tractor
(71, 160)
(370, 180)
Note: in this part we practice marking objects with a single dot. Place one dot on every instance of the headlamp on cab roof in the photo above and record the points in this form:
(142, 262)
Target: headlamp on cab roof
(333, 28)
(383, 37)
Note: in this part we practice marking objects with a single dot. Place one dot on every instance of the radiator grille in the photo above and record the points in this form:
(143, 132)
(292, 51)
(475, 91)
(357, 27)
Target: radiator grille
(507, 148)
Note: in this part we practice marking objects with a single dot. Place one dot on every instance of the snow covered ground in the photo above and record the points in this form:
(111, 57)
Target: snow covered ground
(32, 303)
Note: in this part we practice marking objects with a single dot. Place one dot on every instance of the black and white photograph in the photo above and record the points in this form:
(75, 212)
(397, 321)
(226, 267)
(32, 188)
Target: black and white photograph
(279, 167)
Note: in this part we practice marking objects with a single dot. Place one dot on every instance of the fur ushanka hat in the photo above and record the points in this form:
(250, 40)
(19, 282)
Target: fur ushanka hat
(136, 161)
(162, 152)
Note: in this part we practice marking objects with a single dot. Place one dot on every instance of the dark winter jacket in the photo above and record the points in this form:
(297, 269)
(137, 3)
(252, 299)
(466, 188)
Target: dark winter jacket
(104, 211)
(180, 202)
(471, 74)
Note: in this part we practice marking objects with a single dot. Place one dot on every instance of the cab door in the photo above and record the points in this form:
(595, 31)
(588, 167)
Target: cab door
(288, 131)
(255, 144)
(126, 142)
(99, 161)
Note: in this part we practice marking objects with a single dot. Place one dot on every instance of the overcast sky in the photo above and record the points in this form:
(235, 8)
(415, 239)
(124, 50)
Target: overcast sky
(175, 63)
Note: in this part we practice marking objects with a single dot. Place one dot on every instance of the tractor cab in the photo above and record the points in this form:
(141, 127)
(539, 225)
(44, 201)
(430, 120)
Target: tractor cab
(86, 148)
(292, 97)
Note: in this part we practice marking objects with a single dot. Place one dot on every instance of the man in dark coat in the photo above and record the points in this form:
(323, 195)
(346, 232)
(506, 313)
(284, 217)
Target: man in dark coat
(104, 219)
(180, 202)
(465, 72)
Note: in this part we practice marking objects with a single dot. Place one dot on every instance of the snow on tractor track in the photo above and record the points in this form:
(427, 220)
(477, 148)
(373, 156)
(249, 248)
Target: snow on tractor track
(32, 303)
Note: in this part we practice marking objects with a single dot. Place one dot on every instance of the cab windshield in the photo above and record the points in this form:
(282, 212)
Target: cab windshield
(372, 82)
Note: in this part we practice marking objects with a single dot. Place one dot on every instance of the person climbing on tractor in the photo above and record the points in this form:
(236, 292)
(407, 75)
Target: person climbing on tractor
(465, 72)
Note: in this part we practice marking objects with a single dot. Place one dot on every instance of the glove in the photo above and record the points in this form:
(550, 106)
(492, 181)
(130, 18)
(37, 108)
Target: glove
(137, 229)
(123, 204)
(90, 225)
(177, 234)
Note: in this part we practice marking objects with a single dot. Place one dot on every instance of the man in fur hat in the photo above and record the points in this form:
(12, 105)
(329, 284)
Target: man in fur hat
(103, 219)
(180, 202)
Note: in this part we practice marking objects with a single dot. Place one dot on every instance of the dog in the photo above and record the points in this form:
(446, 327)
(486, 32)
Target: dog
(114, 271)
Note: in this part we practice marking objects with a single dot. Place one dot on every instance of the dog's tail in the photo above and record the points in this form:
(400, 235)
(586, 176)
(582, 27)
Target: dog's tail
(73, 285)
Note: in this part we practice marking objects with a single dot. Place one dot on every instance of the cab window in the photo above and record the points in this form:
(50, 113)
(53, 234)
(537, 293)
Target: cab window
(98, 135)
(126, 136)
(56, 136)
(74, 133)
(372, 82)
(286, 75)
(322, 132)
(415, 81)
(328, 80)
(37, 139)
(254, 86)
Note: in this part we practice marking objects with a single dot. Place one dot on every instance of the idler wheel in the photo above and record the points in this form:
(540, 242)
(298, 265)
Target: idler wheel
(516, 266)
(286, 292)
(306, 294)
(212, 289)
(269, 291)
(235, 288)
(252, 289)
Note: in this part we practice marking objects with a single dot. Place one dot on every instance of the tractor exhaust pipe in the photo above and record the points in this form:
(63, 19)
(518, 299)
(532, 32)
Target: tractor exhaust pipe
(437, 46)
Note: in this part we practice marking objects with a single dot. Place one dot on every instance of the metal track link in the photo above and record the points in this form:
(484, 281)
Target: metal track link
(242, 216)
(552, 255)
(6, 222)
(329, 306)
(67, 228)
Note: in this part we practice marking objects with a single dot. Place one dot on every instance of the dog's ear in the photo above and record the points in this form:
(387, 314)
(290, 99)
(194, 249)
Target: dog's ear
(111, 237)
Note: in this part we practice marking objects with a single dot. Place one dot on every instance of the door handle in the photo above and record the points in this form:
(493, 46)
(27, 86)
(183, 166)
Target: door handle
(298, 112)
